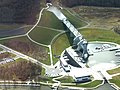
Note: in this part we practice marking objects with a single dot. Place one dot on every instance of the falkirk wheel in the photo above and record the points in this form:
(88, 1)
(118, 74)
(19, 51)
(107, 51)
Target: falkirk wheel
(82, 52)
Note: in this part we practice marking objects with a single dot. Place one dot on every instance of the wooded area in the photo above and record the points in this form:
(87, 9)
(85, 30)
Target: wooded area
(26, 11)
(28, 48)
(21, 70)
(19, 11)
(102, 3)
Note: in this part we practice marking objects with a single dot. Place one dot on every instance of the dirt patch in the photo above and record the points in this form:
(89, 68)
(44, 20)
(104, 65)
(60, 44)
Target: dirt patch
(99, 17)
(28, 48)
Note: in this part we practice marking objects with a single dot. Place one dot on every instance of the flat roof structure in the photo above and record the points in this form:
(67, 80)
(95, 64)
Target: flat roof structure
(76, 57)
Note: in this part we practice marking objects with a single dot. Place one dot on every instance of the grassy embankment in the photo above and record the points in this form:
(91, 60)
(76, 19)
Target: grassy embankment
(100, 35)
(114, 71)
(73, 19)
(60, 44)
(51, 21)
(43, 35)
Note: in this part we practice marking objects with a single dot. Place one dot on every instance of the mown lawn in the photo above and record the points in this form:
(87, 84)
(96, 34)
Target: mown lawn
(73, 19)
(100, 35)
(114, 71)
(50, 20)
(60, 44)
(43, 35)
(116, 80)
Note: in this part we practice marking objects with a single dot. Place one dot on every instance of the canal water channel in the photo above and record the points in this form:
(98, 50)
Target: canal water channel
(101, 54)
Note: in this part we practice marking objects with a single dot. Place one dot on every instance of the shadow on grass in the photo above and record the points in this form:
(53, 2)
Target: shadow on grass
(68, 34)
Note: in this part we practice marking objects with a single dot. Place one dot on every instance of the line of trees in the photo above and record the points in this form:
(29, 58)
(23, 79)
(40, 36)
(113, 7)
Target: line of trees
(102, 3)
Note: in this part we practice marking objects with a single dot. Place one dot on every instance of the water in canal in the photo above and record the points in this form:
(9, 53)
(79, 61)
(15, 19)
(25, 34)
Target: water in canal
(102, 56)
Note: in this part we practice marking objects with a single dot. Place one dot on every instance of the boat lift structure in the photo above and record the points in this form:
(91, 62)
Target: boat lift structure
(79, 41)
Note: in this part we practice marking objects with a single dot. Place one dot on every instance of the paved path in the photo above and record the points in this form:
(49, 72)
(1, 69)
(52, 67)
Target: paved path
(106, 75)
(12, 37)
(40, 14)
(58, 30)
(50, 52)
